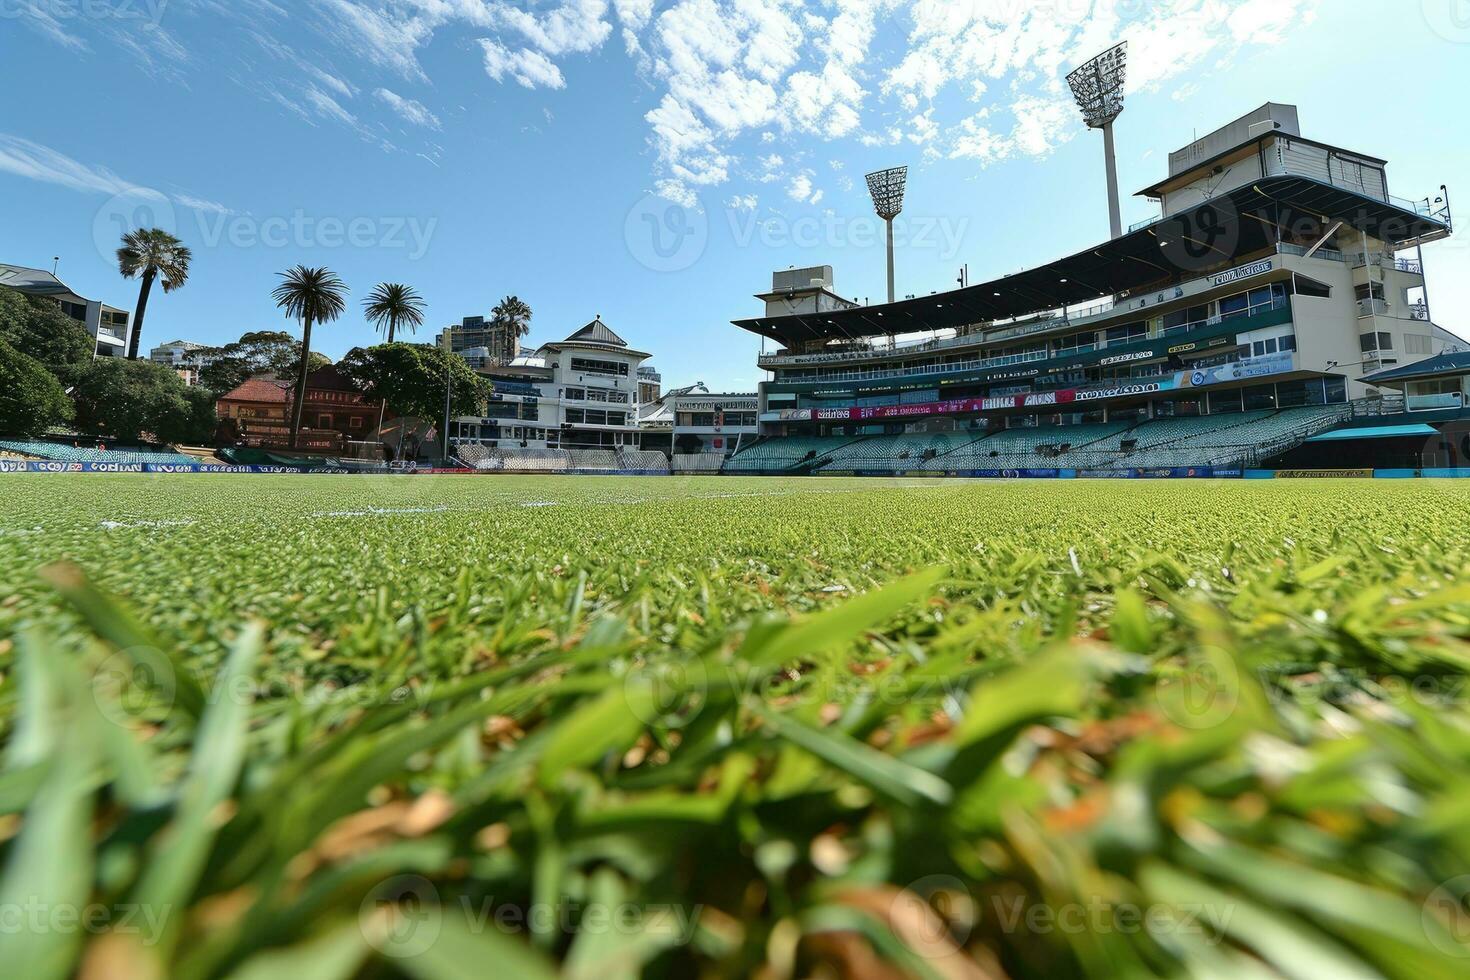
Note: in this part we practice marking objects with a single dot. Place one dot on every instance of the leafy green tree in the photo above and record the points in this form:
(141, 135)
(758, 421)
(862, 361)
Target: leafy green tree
(150, 253)
(131, 400)
(412, 379)
(35, 326)
(311, 296)
(256, 352)
(31, 399)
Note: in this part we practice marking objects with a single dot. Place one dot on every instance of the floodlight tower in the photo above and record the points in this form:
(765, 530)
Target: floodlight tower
(886, 186)
(1098, 89)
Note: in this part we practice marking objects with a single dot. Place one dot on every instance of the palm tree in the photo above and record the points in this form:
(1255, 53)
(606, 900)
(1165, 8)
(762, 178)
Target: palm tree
(311, 296)
(394, 305)
(513, 314)
(150, 253)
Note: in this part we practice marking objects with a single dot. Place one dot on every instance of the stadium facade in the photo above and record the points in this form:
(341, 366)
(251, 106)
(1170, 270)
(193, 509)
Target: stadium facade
(1278, 278)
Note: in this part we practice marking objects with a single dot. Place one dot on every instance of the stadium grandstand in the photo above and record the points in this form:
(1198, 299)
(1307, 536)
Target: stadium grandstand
(65, 452)
(1277, 295)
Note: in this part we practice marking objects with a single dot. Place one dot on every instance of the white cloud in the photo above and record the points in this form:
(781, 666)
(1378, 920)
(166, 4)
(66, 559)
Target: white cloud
(24, 158)
(411, 110)
(800, 188)
(742, 202)
(530, 68)
(33, 161)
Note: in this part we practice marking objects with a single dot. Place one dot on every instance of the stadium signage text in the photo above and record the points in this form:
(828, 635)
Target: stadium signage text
(1244, 272)
(1138, 355)
(1120, 391)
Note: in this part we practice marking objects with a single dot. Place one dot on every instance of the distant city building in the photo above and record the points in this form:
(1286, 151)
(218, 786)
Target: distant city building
(650, 384)
(107, 324)
(486, 340)
(185, 356)
(579, 393)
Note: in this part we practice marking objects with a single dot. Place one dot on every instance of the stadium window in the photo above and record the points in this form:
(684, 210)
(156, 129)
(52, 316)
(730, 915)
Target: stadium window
(574, 416)
(1234, 306)
(1287, 343)
(355, 422)
(576, 394)
(1335, 386)
(595, 416)
(1225, 402)
(1127, 333)
(324, 421)
(616, 418)
(1259, 397)
(1311, 287)
(1294, 394)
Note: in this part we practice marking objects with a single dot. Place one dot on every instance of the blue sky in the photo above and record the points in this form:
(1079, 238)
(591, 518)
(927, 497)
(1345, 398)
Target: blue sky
(654, 162)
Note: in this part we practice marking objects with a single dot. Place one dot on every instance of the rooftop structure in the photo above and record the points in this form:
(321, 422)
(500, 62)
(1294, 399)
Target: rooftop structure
(108, 325)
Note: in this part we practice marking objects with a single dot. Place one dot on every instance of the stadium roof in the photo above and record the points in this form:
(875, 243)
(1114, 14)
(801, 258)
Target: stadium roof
(1165, 251)
(596, 332)
(1375, 432)
(1441, 365)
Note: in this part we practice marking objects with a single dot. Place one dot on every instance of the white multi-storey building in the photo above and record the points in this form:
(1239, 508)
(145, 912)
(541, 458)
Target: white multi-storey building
(577, 393)
(107, 324)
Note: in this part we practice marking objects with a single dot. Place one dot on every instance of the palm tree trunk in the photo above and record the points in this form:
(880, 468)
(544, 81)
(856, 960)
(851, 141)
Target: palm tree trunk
(390, 331)
(137, 324)
(301, 381)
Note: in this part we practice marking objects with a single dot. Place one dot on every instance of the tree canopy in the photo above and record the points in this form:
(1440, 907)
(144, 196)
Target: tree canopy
(257, 352)
(31, 399)
(128, 400)
(36, 327)
(411, 379)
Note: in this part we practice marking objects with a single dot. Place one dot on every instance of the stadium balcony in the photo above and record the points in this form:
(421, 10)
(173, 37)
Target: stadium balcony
(62, 453)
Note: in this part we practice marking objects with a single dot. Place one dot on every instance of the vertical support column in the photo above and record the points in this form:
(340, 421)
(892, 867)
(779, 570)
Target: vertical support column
(889, 223)
(1114, 210)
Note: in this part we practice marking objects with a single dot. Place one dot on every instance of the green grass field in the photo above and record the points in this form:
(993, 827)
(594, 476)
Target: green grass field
(444, 726)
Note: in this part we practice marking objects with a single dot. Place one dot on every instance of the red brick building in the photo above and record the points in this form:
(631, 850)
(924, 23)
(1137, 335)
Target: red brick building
(334, 413)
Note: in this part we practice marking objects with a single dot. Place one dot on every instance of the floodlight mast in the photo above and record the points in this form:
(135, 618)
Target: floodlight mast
(886, 187)
(1098, 88)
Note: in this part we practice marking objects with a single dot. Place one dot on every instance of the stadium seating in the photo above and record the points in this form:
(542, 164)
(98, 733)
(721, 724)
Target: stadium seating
(1236, 439)
(1038, 448)
(61, 452)
(896, 453)
(691, 463)
(646, 460)
(782, 454)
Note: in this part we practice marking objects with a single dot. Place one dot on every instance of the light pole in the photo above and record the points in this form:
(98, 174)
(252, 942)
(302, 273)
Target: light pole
(448, 383)
(1098, 88)
(886, 186)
